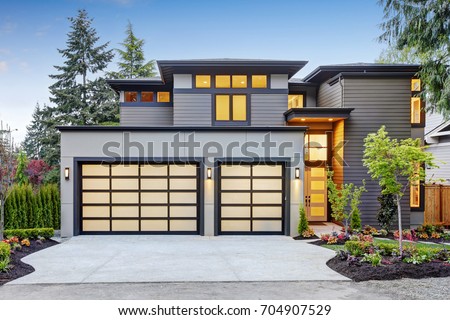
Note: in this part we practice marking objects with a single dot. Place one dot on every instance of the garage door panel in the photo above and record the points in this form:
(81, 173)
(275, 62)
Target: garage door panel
(155, 225)
(154, 211)
(235, 184)
(183, 225)
(124, 184)
(154, 184)
(267, 226)
(235, 226)
(95, 170)
(125, 225)
(183, 184)
(154, 197)
(267, 170)
(236, 212)
(95, 212)
(267, 212)
(124, 197)
(183, 170)
(95, 184)
(183, 211)
(235, 198)
(125, 212)
(183, 197)
(267, 198)
(125, 170)
(96, 225)
(267, 184)
(235, 170)
(95, 197)
(154, 170)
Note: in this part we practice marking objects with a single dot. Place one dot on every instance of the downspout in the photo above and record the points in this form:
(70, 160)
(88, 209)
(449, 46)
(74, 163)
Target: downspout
(342, 91)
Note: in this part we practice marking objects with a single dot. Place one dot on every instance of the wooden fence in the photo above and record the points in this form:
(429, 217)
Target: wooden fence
(437, 204)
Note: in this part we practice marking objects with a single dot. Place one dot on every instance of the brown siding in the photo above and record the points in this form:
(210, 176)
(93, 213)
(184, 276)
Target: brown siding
(268, 109)
(146, 116)
(338, 151)
(376, 102)
(329, 96)
(192, 109)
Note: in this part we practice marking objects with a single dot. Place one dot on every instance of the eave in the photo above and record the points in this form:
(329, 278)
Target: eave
(317, 114)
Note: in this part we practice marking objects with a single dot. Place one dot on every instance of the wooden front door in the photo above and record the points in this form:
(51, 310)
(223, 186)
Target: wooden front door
(316, 193)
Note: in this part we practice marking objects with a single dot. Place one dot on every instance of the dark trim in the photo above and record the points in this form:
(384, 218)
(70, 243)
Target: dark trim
(318, 113)
(146, 104)
(175, 128)
(230, 91)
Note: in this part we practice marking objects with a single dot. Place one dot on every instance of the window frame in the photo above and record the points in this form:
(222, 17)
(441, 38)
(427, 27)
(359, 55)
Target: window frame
(416, 94)
(297, 94)
(230, 110)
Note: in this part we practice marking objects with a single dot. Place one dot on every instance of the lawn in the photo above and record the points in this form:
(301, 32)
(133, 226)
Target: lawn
(337, 247)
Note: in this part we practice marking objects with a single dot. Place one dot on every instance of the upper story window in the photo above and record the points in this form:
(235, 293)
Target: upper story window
(259, 81)
(416, 102)
(295, 101)
(415, 85)
(146, 96)
(203, 81)
(223, 81)
(131, 96)
(415, 189)
(239, 81)
(231, 107)
(163, 96)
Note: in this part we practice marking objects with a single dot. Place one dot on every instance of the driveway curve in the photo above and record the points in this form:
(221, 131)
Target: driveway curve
(179, 258)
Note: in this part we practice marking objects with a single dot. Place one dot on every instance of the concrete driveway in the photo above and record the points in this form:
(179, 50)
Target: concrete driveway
(172, 258)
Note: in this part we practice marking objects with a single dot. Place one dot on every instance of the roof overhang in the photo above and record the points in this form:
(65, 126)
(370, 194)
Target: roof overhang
(300, 115)
(133, 84)
(178, 128)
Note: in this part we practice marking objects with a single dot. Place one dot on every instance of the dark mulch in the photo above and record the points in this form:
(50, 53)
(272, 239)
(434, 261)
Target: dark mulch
(303, 238)
(18, 268)
(365, 271)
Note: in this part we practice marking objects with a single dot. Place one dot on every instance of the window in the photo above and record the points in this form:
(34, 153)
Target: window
(259, 81)
(203, 81)
(163, 96)
(223, 81)
(415, 189)
(316, 147)
(146, 96)
(130, 96)
(415, 85)
(231, 107)
(415, 110)
(239, 81)
(295, 101)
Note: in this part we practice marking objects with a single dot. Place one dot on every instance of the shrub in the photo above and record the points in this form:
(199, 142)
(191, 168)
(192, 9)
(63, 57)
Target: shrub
(369, 230)
(325, 237)
(5, 250)
(387, 249)
(308, 233)
(30, 233)
(383, 232)
(387, 212)
(4, 264)
(357, 248)
(303, 222)
(25, 242)
(373, 258)
(332, 240)
(408, 234)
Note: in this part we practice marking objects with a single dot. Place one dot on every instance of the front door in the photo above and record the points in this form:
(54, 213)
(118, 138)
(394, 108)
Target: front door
(316, 193)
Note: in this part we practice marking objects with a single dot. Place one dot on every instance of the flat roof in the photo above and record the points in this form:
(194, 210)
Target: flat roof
(179, 128)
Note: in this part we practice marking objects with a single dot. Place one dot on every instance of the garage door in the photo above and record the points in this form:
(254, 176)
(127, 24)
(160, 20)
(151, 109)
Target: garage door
(251, 199)
(136, 198)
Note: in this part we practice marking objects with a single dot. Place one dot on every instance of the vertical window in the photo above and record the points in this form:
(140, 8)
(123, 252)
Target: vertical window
(415, 189)
(203, 81)
(146, 96)
(223, 81)
(239, 81)
(130, 96)
(415, 85)
(295, 101)
(316, 147)
(163, 96)
(415, 110)
(259, 81)
(231, 108)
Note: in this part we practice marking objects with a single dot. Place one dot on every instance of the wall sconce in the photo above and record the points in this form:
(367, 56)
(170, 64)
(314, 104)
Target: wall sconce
(66, 173)
(297, 173)
(209, 173)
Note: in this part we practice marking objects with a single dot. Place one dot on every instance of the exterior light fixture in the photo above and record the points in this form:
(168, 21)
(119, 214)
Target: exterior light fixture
(297, 173)
(330, 119)
(66, 173)
(209, 173)
(303, 119)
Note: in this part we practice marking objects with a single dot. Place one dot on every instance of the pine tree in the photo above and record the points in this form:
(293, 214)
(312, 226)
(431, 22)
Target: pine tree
(78, 99)
(132, 61)
(22, 162)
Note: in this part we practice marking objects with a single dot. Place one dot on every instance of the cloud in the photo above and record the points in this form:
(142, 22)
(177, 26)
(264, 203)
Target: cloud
(3, 66)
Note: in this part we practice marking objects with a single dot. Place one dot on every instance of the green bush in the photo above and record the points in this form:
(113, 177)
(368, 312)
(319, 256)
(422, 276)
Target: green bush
(5, 250)
(357, 248)
(4, 264)
(30, 233)
(372, 258)
(387, 249)
(303, 222)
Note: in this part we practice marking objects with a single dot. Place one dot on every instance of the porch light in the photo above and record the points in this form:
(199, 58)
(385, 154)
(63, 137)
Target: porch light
(209, 173)
(303, 119)
(66, 173)
(297, 173)
(330, 119)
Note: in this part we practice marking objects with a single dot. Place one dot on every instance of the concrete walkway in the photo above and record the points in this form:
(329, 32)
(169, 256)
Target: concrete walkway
(171, 258)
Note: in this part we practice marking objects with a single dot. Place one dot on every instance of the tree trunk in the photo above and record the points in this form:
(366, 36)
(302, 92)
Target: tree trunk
(400, 231)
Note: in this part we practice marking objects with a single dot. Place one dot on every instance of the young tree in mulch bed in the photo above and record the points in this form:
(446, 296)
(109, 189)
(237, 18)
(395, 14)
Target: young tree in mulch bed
(304, 231)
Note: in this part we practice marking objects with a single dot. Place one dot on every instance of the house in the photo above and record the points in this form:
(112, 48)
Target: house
(437, 137)
(216, 147)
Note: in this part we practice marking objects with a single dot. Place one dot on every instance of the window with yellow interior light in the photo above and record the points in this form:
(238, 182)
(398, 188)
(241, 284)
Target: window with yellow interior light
(295, 101)
(416, 102)
(415, 189)
(163, 96)
(316, 147)
(130, 96)
(231, 107)
(259, 81)
(239, 81)
(203, 81)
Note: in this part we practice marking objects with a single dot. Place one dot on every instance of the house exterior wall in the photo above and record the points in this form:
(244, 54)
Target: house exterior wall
(441, 152)
(91, 144)
(377, 102)
(330, 96)
(191, 109)
(150, 116)
(268, 109)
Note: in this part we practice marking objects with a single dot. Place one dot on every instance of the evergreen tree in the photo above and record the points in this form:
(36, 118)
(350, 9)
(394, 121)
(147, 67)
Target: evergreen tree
(79, 99)
(22, 163)
(132, 61)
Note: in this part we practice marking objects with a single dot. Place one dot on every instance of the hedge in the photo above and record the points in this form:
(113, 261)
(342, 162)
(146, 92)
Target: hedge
(26, 208)
(30, 233)
(5, 250)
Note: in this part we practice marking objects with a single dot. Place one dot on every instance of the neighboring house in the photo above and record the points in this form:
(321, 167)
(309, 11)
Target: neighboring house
(437, 137)
(233, 147)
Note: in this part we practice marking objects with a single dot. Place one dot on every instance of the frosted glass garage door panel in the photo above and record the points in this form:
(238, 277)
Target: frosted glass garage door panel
(235, 184)
(154, 225)
(96, 225)
(154, 212)
(235, 212)
(267, 212)
(95, 212)
(267, 184)
(95, 197)
(183, 225)
(183, 212)
(183, 184)
(154, 170)
(235, 170)
(95, 184)
(153, 184)
(267, 198)
(125, 212)
(125, 225)
(267, 171)
(125, 197)
(235, 225)
(267, 226)
(154, 197)
(125, 170)
(183, 197)
(182, 170)
(125, 184)
(95, 170)
(235, 198)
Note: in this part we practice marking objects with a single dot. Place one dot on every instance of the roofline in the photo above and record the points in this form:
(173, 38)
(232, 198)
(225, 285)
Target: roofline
(177, 128)
(318, 112)
(231, 62)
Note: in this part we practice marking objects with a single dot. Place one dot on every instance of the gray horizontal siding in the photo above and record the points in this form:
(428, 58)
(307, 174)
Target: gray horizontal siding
(268, 109)
(377, 102)
(146, 116)
(432, 121)
(441, 152)
(329, 96)
(192, 109)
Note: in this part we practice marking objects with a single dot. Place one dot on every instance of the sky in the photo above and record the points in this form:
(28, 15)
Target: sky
(319, 31)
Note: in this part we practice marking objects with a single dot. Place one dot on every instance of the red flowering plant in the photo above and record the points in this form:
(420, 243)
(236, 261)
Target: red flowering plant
(408, 234)
(36, 171)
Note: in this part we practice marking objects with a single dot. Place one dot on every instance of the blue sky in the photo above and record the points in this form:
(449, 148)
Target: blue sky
(319, 31)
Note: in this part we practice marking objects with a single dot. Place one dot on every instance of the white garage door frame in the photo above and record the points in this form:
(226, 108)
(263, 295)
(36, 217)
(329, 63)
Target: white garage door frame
(286, 172)
(77, 174)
